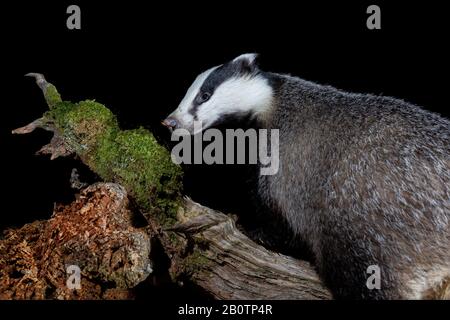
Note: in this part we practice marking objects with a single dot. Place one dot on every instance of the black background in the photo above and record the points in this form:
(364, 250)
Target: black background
(139, 59)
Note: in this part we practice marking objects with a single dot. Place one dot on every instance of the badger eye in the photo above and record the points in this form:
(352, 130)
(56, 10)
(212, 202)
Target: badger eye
(204, 97)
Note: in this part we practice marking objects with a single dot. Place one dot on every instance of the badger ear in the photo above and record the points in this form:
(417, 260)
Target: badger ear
(247, 61)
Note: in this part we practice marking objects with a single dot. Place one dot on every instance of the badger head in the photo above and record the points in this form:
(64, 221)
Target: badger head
(236, 88)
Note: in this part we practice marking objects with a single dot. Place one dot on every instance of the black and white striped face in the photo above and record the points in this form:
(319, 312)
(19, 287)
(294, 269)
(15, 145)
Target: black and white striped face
(236, 88)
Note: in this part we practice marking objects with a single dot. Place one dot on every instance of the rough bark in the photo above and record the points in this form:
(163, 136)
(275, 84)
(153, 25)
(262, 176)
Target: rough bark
(94, 233)
(204, 245)
(231, 266)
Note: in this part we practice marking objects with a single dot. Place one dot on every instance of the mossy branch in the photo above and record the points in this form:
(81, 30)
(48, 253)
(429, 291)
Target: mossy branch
(132, 158)
(202, 243)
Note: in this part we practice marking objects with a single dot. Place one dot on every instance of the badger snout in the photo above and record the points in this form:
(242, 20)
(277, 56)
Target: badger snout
(171, 123)
(178, 125)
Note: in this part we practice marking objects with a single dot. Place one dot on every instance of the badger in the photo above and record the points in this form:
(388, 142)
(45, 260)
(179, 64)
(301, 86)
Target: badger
(363, 180)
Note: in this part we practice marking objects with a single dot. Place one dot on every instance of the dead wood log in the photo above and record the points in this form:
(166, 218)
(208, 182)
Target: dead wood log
(93, 234)
(231, 266)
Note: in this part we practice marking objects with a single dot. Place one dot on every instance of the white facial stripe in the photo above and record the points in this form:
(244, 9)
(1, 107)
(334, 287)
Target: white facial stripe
(239, 94)
(186, 103)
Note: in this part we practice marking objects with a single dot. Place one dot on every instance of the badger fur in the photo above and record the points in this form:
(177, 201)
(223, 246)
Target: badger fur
(363, 180)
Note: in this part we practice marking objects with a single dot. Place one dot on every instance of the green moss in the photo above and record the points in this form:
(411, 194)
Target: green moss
(195, 262)
(83, 125)
(52, 96)
(132, 158)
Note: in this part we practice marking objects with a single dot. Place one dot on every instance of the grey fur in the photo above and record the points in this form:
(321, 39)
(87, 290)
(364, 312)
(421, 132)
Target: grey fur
(363, 180)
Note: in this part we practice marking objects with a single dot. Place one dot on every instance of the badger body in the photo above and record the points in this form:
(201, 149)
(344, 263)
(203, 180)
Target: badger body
(363, 180)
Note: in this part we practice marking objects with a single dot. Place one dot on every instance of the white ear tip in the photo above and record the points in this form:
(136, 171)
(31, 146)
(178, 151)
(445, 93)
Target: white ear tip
(250, 57)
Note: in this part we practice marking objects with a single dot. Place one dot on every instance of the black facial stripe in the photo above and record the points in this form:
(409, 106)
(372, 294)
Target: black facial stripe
(193, 110)
(220, 75)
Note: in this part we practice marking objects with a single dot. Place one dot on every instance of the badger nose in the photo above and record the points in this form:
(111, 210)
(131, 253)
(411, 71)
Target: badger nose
(170, 123)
